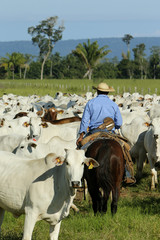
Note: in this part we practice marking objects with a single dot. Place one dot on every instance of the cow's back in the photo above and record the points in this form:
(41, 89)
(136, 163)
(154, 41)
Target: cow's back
(108, 176)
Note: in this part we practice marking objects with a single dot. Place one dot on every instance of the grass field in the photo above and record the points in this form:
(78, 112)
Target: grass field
(138, 215)
(43, 87)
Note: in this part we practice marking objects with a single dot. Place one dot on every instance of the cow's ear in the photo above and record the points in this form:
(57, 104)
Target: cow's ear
(59, 160)
(91, 163)
(60, 111)
(25, 124)
(147, 124)
(53, 160)
(44, 125)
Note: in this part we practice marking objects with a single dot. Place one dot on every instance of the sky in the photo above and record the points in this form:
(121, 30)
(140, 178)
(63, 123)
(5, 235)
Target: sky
(82, 19)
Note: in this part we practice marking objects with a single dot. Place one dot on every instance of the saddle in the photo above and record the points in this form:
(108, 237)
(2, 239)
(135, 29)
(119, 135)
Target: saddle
(109, 135)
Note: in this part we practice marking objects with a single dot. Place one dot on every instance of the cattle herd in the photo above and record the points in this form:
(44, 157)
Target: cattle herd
(40, 167)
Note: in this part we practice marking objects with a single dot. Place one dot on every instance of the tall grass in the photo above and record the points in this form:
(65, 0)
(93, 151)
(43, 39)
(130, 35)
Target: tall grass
(78, 86)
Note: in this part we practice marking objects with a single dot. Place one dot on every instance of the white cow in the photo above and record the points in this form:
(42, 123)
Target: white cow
(29, 149)
(154, 111)
(10, 142)
(128, 115)
(35, 127)
(67, 131)
(34, 149)
(133, 129)
(152, 146)
(41, 189)
(24, 126)
(135, 132)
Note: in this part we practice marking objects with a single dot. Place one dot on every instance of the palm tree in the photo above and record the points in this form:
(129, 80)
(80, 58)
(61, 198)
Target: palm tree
(90, 54)
(8, 64)
(127, 38)
(13, 61)
(27, 60)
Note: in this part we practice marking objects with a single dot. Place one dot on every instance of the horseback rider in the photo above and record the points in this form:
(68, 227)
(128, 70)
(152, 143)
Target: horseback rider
(95, 111)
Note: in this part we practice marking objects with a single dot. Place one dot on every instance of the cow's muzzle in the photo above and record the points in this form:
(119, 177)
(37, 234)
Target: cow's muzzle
(76, 184)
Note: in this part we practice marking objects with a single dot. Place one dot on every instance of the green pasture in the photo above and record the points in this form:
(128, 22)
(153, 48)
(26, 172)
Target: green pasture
(138, 215)
(77, 86)
(137, 218)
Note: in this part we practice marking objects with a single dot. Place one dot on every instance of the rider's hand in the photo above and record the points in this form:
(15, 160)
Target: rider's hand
(80, 138)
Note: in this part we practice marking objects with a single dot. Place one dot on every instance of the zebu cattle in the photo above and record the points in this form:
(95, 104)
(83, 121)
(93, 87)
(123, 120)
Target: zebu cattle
(34, 149)
(35, 124)
(133, 129)
(43, 189)
(10, 142)
(128, 115)
(15, 125)
(28, 149)
(24, 126)
(108, 176)
(61, 121)
(21, 114)
(51, 114)
(152, 146)
(67, 131)
(135, 132)
(154, 111)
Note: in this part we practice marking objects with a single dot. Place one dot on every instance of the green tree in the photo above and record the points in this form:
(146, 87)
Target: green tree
(127, 39)
(34, 70)
(139, 58)
(45, 35)
(154, 62)
(55, 66)
(106, 70)
(124, 67)
(128, 64)
(73, 67)
(90, 54)
(27, 60)
(13, 62)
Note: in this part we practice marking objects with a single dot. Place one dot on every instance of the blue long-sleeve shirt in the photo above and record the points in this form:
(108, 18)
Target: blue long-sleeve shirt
(96, 110)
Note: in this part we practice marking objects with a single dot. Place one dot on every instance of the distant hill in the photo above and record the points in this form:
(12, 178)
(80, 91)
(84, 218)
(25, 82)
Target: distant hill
(64, 47)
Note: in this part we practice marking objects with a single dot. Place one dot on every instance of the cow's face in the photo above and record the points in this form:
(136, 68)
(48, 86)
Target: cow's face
(35, 127)
(26, 149)
(75, 160)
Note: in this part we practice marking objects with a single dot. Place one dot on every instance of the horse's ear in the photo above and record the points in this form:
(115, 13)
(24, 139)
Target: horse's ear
(91, 163)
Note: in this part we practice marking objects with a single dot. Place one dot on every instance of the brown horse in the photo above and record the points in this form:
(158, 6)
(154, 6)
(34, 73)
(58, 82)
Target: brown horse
(108, 176)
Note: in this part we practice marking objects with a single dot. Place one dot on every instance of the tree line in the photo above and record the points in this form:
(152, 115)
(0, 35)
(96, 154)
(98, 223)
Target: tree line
(87, 60)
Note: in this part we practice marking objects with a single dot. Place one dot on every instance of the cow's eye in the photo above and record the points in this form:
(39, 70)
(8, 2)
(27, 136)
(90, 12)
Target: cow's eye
(67, 163)
(82, 163)
(22, 147)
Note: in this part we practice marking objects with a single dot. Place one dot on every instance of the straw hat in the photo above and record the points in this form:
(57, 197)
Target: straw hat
(103, 87)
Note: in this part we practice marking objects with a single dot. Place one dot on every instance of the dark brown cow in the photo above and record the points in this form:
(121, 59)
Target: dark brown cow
(21, 114)
(50, 114)
(51, 117)
(65, 120)
(108, 176)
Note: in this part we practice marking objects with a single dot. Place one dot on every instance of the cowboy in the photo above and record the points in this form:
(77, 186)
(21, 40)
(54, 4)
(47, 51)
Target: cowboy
(96, 110)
